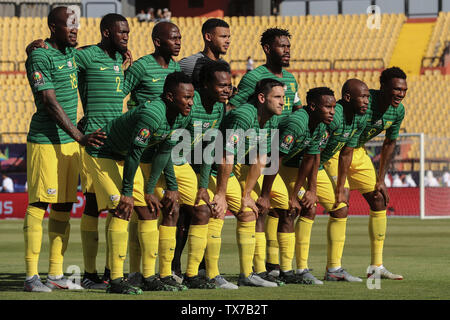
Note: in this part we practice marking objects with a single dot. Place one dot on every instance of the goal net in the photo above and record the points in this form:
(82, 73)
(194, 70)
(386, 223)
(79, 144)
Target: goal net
(418, 177)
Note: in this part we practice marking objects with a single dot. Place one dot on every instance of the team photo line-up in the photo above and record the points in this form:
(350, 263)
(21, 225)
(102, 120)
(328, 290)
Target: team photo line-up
(191, 148)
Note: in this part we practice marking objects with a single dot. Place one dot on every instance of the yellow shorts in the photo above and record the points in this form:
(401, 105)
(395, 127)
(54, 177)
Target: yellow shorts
(52, 172)
(278, 194)
(325, 187)
(87, 185)
(233, 193)
(186, 180)
(107, 175)
(361, 174)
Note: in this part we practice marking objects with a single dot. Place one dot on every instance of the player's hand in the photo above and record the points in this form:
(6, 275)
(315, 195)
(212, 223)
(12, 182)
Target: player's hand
(124, 208)
(170, 201)
(219, 205)
(35, 45)
(341, 197)
(294, 206)
(308, 200)
(263, 204)
(127, 59)
(381, 191)
(203, 195)
(153, 203)
(248, 202)
(93, 139)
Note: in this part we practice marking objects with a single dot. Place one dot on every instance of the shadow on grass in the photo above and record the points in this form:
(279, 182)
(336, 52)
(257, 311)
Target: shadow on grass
(11, 281)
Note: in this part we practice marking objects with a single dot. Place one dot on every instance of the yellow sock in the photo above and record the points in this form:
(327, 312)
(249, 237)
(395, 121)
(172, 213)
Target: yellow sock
(118, 241)
(213, 246)
(134, 247)
(272, 241)
(167, 242)
(196, 241)
(302, 241)
(58, 234)
(32, 231)
(336, 239)
(377, 234)
(148, 237)
(107, 222)
(259, 259)
(89, 242)
(245, 236)
(287, 247)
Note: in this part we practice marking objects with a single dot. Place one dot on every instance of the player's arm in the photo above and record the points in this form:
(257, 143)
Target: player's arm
(57, 113)
(344, 162)
(246, 88)
(310, 165)
(224, 170)
(133, 76)
(253, 175)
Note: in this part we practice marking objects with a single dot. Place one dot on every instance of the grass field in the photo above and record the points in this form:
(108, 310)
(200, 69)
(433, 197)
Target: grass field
(419, 250)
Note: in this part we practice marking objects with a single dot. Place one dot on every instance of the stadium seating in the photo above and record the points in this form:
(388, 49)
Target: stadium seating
(441, 35)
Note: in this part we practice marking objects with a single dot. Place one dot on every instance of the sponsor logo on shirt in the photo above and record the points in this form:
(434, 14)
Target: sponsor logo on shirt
(103, 68)
(155, 80)
(38, 79)
(143, 135)
(60, 67)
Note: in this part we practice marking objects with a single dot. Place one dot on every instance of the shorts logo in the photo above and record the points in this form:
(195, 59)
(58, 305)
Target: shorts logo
(38, 79)
(51, 191)
(114, 198)
(143, 135)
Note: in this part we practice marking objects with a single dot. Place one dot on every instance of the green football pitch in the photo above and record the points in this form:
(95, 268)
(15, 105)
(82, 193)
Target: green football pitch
(419, 250)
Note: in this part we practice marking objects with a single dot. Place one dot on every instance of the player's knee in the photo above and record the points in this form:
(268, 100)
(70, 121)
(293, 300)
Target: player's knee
(309, 213)
(340, 213)
(201, 215)
(375, 200)
(40, 205)
(144, 213)
(286, 222)
(273, 213)
(62, 207)
(91, 207)
(245, 216)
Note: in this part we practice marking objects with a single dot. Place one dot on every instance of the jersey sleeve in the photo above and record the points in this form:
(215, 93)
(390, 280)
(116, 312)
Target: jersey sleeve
(393, 131)
(353, 142)
(319, 142)
(145, 127)
(39, 71)
(288, 136)
(246, 88)
(133, 76)
(234, 128)
(83, 59)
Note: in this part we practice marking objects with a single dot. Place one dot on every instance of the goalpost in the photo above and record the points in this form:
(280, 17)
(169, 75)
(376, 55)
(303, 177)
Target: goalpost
(409, 161)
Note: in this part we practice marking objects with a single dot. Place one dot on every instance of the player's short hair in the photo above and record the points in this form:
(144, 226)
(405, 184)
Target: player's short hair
(268, 36)
(314, 94)
(52, 17)
(213, 23)
(266, 85)
(110, 19)
(391, 73)
(173, 80)
(208, 69)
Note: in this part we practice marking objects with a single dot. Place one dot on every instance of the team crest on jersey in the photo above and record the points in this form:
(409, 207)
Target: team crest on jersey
(388, 124)
(116, 68)
(324, 139)
(293, 87)
(38, 79)
(69, 64)
(285, 87)
(346, 134)
(206, 125)
(379, 122)
(287, 141)
(143, 135)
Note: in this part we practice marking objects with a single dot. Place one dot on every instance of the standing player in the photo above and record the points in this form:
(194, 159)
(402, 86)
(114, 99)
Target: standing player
(260, 118)
(100, 82)
(145, 80)
(276, 45)
(115, 169)
(385, 112)
(53, 136)
(216, 37)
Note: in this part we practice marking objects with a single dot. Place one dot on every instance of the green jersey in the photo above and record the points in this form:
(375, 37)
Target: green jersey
(341, 132)
(129, 135)
(145, 79)
(296, 138)
(248, 83)
(100, 85)
(242, 133)
(50, 69)
(376, 121)
(203, 123)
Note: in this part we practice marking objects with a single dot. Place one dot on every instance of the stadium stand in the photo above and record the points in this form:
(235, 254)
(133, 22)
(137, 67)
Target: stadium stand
(439, 39)
(329, 47)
